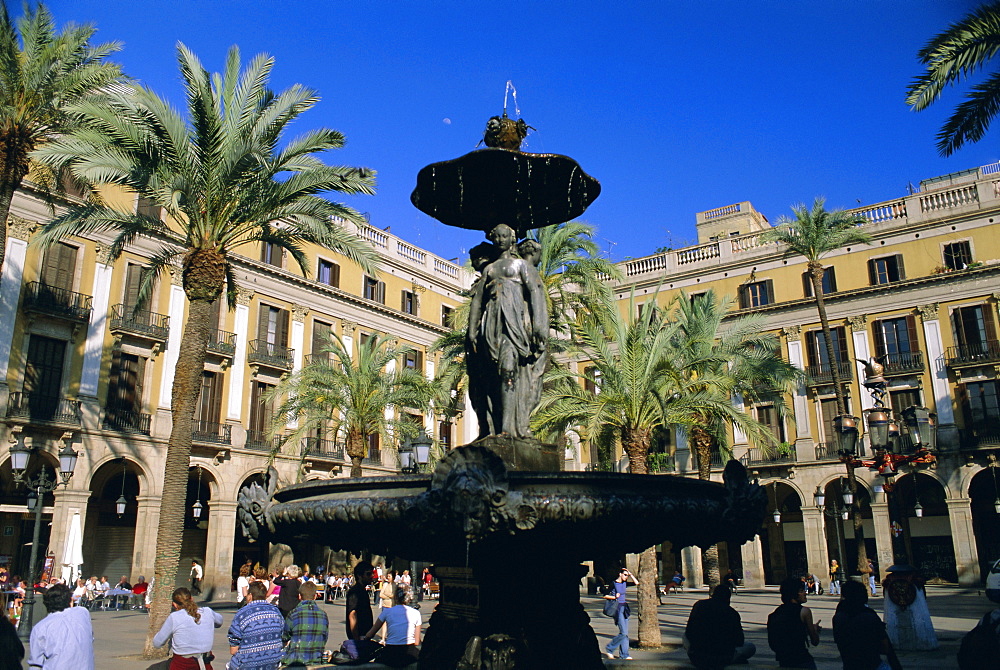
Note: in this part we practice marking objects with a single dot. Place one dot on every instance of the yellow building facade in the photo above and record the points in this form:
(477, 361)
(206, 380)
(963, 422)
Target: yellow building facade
(922, 298)
(79, 365)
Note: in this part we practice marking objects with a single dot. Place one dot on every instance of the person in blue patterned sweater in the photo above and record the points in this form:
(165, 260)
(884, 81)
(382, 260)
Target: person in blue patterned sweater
(255, 634)
(306, 629)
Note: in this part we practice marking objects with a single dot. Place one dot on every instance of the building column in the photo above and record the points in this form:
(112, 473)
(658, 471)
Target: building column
(694, 577)
(963, 540)
(144, 546)
(883, 534)
(241, 326)
(814, 529)
(800, 402)
(170, 356)
(859, 335)
(67, 503)
(947, 431)
(93, 351)
(10, 293)
(219, 549)
(753, 564)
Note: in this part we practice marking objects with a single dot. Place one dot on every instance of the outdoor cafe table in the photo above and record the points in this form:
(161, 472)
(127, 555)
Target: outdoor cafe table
(114, 594)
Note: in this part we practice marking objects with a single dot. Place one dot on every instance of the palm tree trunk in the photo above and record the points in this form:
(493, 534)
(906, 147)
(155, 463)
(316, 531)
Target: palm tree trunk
(356, 450)
(635, 442)
(702, 441)
(816, 273)
(170, 529)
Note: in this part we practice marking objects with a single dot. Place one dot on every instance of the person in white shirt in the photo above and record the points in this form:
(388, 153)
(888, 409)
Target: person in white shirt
(402, 624)
(189, 628)
(242, 583)
(103, 586)
(196, 576)
(64, 639)
(79, 592)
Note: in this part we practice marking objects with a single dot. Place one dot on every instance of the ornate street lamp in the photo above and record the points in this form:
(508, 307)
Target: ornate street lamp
(121, 503)
(406, 456)
(878, 427)
(919, 425)
(422, 449)
(845, 427)
(37, 487)
(819, 498)
(196, 508)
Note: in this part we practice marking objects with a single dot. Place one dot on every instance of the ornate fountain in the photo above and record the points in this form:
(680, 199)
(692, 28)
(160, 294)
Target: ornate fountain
(505, 529)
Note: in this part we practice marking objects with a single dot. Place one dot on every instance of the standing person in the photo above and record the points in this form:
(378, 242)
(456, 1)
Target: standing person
(289, 584)
(242, 583)
(859, 632)
(385, 595)
(715, 633)
(11, 647)
(402, 624)
(196, 576)
(306, 630)
(65, 637)
(359, 607)
(871, 577)
(255, 633)
(619, 642)
(191, 632)
(791, 625)
(835, 575)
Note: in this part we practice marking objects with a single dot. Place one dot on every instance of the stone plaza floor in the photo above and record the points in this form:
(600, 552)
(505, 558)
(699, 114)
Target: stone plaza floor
(119, 636)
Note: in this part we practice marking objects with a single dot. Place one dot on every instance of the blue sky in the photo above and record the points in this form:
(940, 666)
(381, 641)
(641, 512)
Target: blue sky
(675, 106)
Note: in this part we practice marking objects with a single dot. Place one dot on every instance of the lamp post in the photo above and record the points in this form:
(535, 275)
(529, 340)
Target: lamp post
(414, 453)
(37, 487)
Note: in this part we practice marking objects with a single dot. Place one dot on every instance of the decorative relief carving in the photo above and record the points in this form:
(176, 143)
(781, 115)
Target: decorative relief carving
(857, 322)
(792, 333)
(103, 253)
(20, 228)
(299, 313)
(348, 327)
(243, 296)
(176, 275)
(929, 312)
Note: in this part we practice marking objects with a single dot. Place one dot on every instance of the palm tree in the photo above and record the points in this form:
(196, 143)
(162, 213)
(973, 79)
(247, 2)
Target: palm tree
(349, 395)
(635, 362)
(224, 180)
(748, 359)
(42, 74)
(813, 234)
(954, 56)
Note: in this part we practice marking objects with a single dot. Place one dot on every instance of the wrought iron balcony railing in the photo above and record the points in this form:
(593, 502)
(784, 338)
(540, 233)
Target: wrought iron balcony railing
(374, 457)
(314, 446)
(258, 440)
(326, 358)
(825, 452)
(263, 352)
(758, 456)
(140, 322)
(973, 354)
(222, 343)
(212, 433)
(43, 408)
(823, 373)
(54, 301)
(903, 363)
(127, 421)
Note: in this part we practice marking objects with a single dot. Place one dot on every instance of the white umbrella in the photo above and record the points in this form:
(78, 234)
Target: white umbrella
(73, 551)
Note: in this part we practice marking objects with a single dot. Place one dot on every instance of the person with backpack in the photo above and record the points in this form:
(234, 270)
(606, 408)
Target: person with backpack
(860, 633)
(790, 627)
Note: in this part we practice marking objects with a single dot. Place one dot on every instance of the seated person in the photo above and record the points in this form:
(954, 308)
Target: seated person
(675, 583)
(812, 585)
(714, 633)
(403, 630)
(139, 593)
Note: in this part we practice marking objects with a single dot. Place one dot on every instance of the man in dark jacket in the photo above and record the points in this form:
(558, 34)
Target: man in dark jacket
(714, 632)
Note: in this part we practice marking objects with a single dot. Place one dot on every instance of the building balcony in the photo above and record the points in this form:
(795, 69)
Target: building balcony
(37, 408)
(209, 432)
(823, 373)
(826, 452)
(127, 421)
(985, 435)
(973, 354)
(139, 323)
(758, 456)
(264, 353)
(325, 358)
(61, 303)
(314, 447)
(258, 440)
(903, 363)
(222, 343)
(374, 457)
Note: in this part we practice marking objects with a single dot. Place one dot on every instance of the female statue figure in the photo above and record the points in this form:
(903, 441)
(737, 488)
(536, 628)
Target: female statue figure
(505, 343)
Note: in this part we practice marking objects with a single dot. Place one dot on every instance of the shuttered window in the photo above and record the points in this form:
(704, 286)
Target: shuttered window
(817, 352)
(133, 276)
(261, 411)
(886, 270)
(321, 340)
(272, 325)
(829, 282)
(374, 289)
(757, 294)
(328, 273)
(209, 408)
(973, 325)
(408, 302)
(43, 368)
(895, 336)
(271, 254)
(413, 360)
(957, 255)
(125, 382)
(59, 268)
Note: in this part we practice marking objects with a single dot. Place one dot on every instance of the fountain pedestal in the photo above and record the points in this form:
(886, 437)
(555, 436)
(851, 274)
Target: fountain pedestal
(524, 454)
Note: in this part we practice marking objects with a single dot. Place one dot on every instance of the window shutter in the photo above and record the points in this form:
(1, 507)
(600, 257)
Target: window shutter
(899, 267)
(420, 362)
(879, 337)
(335, 275)
(264, 248)
(829, 272)
(113, 401)
(744, 301)
(812, 342)
(911, 331)
(841, 335)
(380, 292)
(872, 273)
(281, 338)
(140, 375)
(807, 285)
(991, 332)
(769, 292)
(402, 301)
(262, 315)
(133, 274)
(214, 315)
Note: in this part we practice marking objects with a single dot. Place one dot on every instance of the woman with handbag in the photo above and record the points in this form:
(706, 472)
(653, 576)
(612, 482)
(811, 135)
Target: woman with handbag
(619, 642)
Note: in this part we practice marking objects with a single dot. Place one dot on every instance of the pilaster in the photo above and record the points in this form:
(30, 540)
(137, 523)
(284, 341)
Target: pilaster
(176, 313)
(94, 349)
(963, 540)
(219, 549)
(147, 519)
(10, 294)
(817, 556)
(237, 374)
